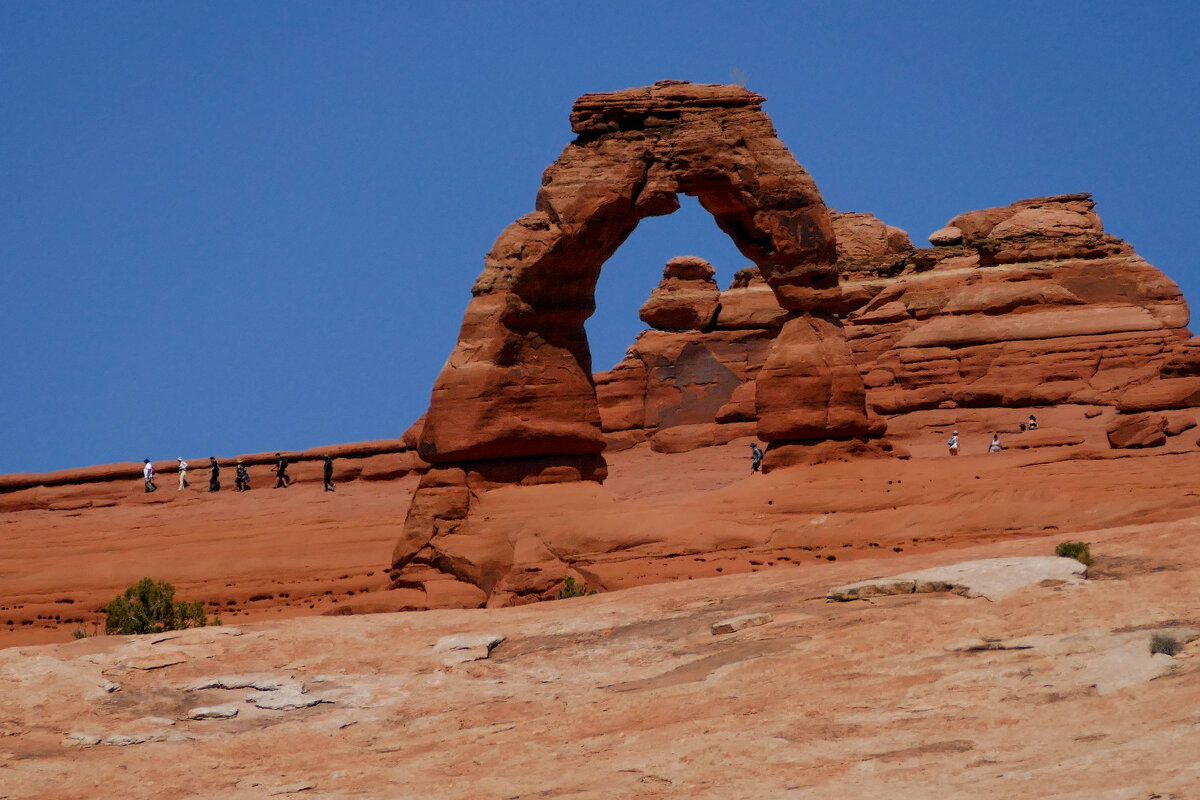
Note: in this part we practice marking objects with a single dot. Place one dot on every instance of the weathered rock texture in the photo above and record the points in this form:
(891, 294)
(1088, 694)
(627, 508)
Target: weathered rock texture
(519, 383)
(516, 401)
(1037, 306)
(1028, 305)
(687, 298)
(840, 328)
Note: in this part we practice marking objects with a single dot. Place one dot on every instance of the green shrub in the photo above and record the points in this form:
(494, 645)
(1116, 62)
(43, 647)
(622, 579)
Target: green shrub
(1161, 643)
(150, 607)
(1076, 550)
(572, 589)
(79, 633)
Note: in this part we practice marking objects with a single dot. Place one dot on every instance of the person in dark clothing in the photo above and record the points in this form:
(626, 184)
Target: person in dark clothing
(214, 480)
(281, 465)
(329, 474)
(756, 457)
(243, 477)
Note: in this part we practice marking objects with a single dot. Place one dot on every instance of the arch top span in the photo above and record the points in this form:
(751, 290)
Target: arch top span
(519, 382)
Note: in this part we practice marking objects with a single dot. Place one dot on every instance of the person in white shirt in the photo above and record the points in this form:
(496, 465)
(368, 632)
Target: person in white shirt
(995, 446)
(953, 443)
(148, 474)
(183, 465)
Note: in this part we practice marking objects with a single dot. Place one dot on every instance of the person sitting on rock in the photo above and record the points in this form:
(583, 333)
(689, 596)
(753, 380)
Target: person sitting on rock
(242, 479)
(1032, 424)
(995, 446)
(148, 475)
(214, 479)
(756, 457)
(953, 443)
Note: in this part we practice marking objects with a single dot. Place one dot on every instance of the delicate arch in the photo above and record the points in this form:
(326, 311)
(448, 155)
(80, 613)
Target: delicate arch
(519, 382)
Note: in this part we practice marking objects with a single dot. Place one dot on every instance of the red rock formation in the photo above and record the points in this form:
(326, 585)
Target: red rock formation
(519, 382)
(518, 387)
(1028, 305)
(951, 327)
(1037, 306)
(686, 299)
(106, 484)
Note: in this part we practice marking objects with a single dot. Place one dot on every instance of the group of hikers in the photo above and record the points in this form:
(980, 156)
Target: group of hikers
(756, 453)
(995, 446)
(241, 476)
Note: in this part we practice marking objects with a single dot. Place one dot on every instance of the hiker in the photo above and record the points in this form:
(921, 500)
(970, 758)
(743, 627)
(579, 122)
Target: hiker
(281, 465)
(148, 474)
(242, 479)
(1032, 424)
(953, 443)
(995, 446)
(329, 474)
(756, 457)
(214, 480)
(183, 465)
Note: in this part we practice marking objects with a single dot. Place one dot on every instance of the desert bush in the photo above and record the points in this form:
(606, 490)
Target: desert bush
(150, 607)
(1076, 550)
(572, 589)
(1161, 643)
(79, 633)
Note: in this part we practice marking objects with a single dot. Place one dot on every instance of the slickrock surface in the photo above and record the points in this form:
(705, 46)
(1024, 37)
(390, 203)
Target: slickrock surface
(274, 553)
(993, 578)
(629, 695)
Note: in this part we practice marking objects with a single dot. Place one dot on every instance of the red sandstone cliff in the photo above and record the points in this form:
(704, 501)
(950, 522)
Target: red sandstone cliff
(1026, 305)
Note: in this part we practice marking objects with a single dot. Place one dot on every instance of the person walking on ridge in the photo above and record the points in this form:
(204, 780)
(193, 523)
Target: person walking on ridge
(953, 443)
(756, 457)
(281, 465)
(214, 480)
(148, 475)
(328, 468)
(183, 465)
(242, 479)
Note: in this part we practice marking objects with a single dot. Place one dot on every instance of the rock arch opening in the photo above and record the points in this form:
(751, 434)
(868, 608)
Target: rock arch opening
(635, 270)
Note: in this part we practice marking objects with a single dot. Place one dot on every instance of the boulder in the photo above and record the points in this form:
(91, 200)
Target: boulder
(1137, 430)
(1162, 394)
(686, 299)
(946, 237)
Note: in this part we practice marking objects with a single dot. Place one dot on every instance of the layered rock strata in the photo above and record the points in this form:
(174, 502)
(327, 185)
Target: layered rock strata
(1026, 305)
(110, 484)
(686, 299)
(519, 388)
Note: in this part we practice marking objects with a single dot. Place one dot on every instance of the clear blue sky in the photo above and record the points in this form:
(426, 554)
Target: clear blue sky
(234, 227)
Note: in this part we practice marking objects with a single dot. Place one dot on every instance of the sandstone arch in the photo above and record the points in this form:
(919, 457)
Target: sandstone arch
(516, 403)
(519, 382)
